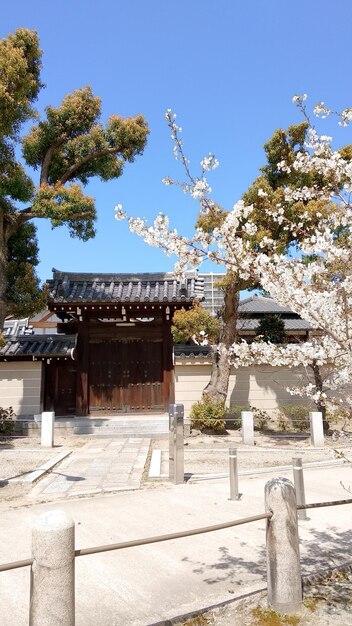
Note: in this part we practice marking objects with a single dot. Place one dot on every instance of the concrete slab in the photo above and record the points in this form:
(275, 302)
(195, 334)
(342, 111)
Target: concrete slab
(146, 585)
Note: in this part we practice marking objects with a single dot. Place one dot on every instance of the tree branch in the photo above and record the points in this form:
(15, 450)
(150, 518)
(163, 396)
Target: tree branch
(90, 157)
(46, 164)
(28, 214)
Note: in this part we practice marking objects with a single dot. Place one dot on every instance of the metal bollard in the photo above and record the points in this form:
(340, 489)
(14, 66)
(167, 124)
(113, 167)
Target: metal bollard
(233, 465)
(298, 480)
(282, 547)
(176, 446)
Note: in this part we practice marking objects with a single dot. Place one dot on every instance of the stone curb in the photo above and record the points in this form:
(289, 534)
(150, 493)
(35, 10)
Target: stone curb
(43, 469)
(207, 609)
(267, 470)
(309, 580)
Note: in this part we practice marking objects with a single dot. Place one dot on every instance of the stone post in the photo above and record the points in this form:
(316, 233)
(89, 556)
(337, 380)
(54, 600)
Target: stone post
(52, 589)
(47, 432)
(282, 546)
(247, 428)
(316, 429)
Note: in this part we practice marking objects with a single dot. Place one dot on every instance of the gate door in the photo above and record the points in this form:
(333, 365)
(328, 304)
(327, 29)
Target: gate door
(125, 375)
(60, 387)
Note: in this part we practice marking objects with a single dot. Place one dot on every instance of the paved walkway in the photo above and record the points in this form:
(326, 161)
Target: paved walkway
(104, 465)
(147, 585)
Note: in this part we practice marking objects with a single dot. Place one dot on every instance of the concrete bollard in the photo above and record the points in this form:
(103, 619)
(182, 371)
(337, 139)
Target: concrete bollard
(247, 428)
(47, 431)
(316, 429)
(282, 546)
(52, 587)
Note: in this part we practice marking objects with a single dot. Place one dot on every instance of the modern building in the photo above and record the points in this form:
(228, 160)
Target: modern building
(213, 294)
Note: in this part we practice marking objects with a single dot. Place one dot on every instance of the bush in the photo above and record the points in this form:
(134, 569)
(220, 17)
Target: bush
(208, 416)
(294, 417)
(234, 414)
(261, 418)
(7, 421)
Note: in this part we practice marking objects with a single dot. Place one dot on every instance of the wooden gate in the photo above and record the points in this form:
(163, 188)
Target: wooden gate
(125, 375)
(60, 387)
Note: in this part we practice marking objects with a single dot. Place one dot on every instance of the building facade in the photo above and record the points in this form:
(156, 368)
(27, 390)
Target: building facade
(105, 346)
(113, 350)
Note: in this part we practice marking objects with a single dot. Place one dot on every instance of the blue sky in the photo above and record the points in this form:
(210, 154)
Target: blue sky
(228, 69)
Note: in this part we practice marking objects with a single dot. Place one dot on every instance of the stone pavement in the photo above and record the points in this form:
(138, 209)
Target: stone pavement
(104, 465)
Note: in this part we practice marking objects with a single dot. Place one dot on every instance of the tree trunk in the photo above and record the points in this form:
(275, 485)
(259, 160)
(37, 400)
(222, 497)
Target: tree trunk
(218, 385)
(319, 385)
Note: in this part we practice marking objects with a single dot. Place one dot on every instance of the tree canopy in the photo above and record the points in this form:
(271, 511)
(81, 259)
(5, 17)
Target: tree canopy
(68, 147)
(196, 325)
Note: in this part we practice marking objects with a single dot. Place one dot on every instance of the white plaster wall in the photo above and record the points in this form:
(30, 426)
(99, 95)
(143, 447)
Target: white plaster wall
(259, 386)
(20, 386)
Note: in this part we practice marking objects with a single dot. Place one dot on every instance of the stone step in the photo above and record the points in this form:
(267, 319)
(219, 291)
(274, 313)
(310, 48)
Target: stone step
(113, 426)
(123, 435)
(123, 428)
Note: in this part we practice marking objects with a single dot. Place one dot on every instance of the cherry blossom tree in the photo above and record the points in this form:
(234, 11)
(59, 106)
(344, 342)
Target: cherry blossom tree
(316, 281)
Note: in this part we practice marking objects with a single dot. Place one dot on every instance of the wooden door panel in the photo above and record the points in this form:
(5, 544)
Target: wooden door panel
(125, 375)
(60, 387)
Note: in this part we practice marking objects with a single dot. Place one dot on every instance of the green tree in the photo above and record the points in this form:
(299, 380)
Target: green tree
(24, 291)
(195, 324)
(68, 147)
(271, 328)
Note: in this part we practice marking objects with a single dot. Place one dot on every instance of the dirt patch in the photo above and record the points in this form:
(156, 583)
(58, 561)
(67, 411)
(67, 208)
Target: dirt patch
(210, 453)
(327, 603)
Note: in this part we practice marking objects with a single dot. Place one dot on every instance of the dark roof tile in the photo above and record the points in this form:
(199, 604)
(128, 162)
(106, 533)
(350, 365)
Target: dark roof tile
(290, 324)
(182, 350)
(38, 346)
(155, 287)
(261, 304)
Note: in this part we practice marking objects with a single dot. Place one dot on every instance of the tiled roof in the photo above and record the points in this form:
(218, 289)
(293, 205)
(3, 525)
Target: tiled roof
(252, 323)
(261, 304)
(38, 346)
(17, 327)
(193, 350)
(152, 287)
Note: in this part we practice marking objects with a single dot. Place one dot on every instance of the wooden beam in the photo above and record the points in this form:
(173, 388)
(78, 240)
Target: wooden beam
(82, 397)
(168, 368)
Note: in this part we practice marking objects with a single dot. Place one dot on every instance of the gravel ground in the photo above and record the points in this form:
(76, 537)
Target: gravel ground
(208, 454)
(21, 455)
(15, 465)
